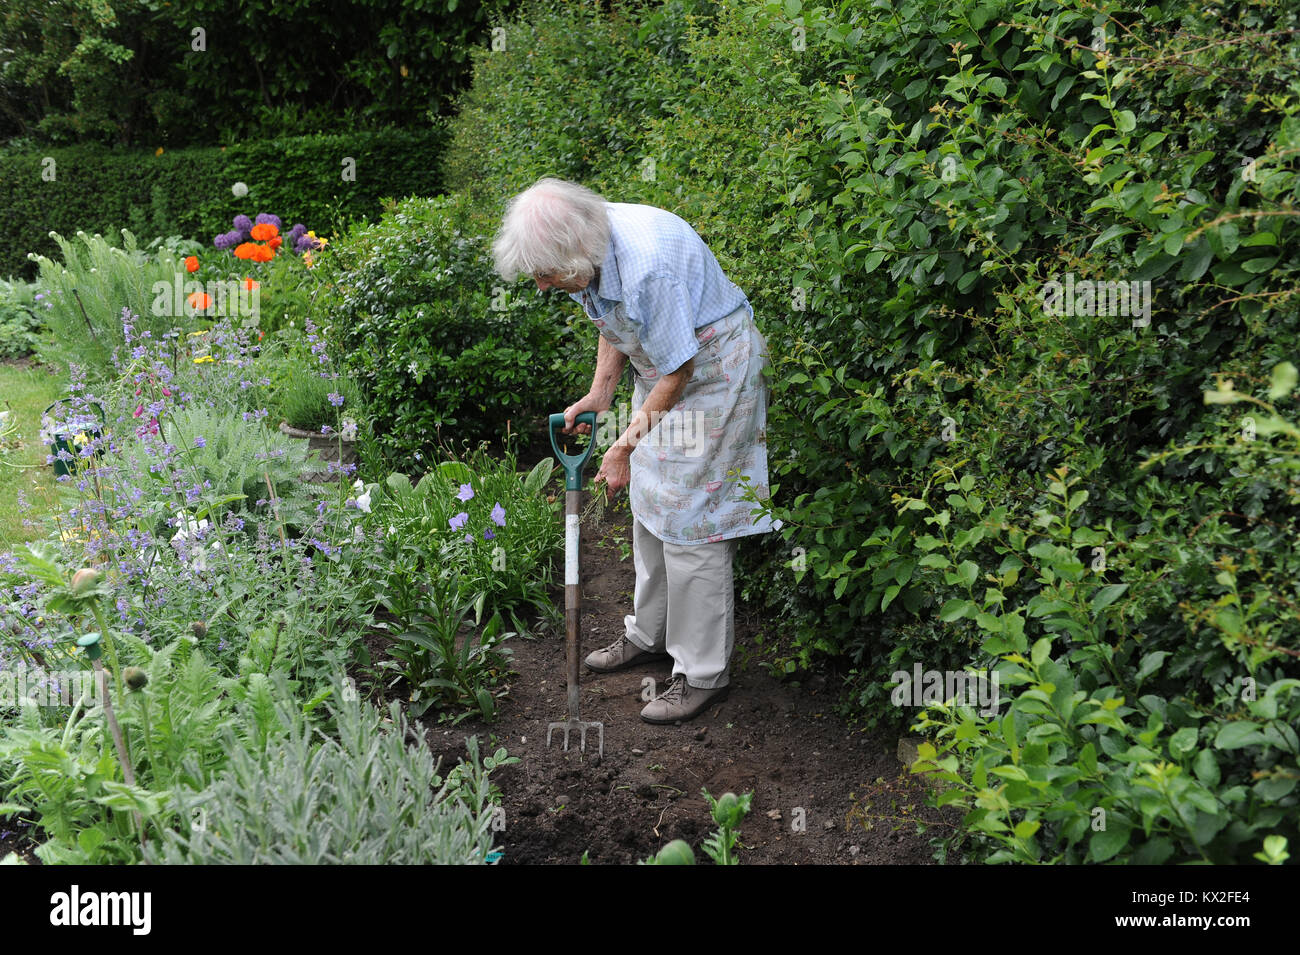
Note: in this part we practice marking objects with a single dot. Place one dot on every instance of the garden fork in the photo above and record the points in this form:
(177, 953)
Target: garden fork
(573, 464)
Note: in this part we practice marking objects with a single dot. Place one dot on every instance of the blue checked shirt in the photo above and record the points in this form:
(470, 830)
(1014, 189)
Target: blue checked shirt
(669, 282)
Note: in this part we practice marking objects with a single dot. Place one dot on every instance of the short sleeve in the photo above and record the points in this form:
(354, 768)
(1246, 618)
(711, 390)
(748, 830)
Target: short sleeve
(667, 317)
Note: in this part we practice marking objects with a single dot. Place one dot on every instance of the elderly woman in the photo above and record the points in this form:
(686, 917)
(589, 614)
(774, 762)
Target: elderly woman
(661, 301)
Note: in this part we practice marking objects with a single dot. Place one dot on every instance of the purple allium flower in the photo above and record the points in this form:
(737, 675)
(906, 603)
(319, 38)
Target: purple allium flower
(304, 243)
(244, 226)
(265, 218)
(228, 240)
(466, 493)
(458, 521)
(499, 515)
(297, 230)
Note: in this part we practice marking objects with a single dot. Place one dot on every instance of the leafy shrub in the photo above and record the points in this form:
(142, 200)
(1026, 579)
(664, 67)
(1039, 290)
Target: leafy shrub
(497, 528)
(21, 319)
(367, 798)
(422, 323)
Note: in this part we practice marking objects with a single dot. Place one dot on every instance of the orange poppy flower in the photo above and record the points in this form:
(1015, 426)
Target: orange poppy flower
(262, 253)
(250, 284)
(245, 250)
(199, 301)
(264, 230)
(192, 264)
(275, 242)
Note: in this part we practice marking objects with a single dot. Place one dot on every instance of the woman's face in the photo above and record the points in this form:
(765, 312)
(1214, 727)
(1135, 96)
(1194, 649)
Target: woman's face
(549, 280)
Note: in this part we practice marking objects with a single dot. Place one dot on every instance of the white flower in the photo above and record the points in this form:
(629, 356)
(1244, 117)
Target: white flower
(358, 484)
(349, 432)
(190, 528)
(239, 189)
(358, 535)
(363, 502)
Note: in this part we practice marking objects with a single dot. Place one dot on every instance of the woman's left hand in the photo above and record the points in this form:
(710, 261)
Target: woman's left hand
(615, 468)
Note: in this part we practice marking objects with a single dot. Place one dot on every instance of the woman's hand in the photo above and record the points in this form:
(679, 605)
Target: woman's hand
(588, 402)
(615, 468)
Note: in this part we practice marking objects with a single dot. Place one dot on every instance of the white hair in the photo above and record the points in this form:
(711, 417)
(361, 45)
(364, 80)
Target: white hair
(554, 226)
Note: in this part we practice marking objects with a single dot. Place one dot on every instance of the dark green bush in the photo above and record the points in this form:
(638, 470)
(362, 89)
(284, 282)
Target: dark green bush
(440, 348)
(188, 191)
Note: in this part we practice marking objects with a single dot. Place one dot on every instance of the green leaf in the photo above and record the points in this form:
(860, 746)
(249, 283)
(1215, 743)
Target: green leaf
(1106, 843)
(955, 610)
(1237, 735)
(1283, 380)
(1106, 596)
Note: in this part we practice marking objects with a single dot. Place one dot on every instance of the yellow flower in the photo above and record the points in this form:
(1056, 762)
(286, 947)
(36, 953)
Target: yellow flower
(158, 151)
(80, 439)
(306, 257)
(202, 331)
(323, 241)
(202, 358)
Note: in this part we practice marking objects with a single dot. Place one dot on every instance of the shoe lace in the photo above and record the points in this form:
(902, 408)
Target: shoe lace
(675, 689)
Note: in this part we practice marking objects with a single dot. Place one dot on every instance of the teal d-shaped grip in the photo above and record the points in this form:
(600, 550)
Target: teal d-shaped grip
(573, 463)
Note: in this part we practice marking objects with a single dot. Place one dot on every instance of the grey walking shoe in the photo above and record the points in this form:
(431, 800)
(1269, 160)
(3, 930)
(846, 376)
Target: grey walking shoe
(681, 702)
(619, 655)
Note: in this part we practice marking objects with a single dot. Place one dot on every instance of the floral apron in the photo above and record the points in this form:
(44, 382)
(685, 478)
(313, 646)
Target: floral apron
(685, 481)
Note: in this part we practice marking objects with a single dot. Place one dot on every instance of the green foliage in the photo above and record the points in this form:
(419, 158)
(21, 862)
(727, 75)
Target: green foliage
(503, 557)
(449, 598)
(22, 319)
(366, 798)
(303, 398)
(138, 73)
(189, 191)
(439, 347)
(229, 461)
(728, 810)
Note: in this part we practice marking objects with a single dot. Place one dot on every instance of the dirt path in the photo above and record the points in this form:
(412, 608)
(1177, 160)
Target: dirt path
(783, 743)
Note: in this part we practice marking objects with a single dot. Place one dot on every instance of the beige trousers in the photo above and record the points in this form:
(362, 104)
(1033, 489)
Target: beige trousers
(685, 604)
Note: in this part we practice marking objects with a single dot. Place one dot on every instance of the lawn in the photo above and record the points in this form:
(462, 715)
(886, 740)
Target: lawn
(25, 391)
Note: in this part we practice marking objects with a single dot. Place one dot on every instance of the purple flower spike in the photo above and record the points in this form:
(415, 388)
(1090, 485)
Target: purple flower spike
(458, 521)
(499, 515)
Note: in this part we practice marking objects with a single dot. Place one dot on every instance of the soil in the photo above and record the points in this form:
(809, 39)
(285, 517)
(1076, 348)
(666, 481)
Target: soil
(824, 793)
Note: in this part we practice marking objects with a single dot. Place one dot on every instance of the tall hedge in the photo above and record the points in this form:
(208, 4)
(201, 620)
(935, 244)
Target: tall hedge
(189, 191)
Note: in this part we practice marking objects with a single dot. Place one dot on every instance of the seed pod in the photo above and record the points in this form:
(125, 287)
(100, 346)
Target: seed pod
(135, 678)
(83, 580)
(677, 852)
(199, 628)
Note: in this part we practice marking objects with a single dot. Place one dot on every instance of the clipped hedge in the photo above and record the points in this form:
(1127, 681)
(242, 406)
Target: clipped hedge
(188, 192)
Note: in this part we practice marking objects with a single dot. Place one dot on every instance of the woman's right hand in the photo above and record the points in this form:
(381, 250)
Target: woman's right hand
(587, 402)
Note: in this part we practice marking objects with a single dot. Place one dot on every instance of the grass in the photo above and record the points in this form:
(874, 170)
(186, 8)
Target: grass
(26, 391)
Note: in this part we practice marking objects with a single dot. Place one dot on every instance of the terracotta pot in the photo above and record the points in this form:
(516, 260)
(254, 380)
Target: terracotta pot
(327, 447)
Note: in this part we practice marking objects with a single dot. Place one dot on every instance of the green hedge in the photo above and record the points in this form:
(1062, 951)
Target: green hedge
(188, 192)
